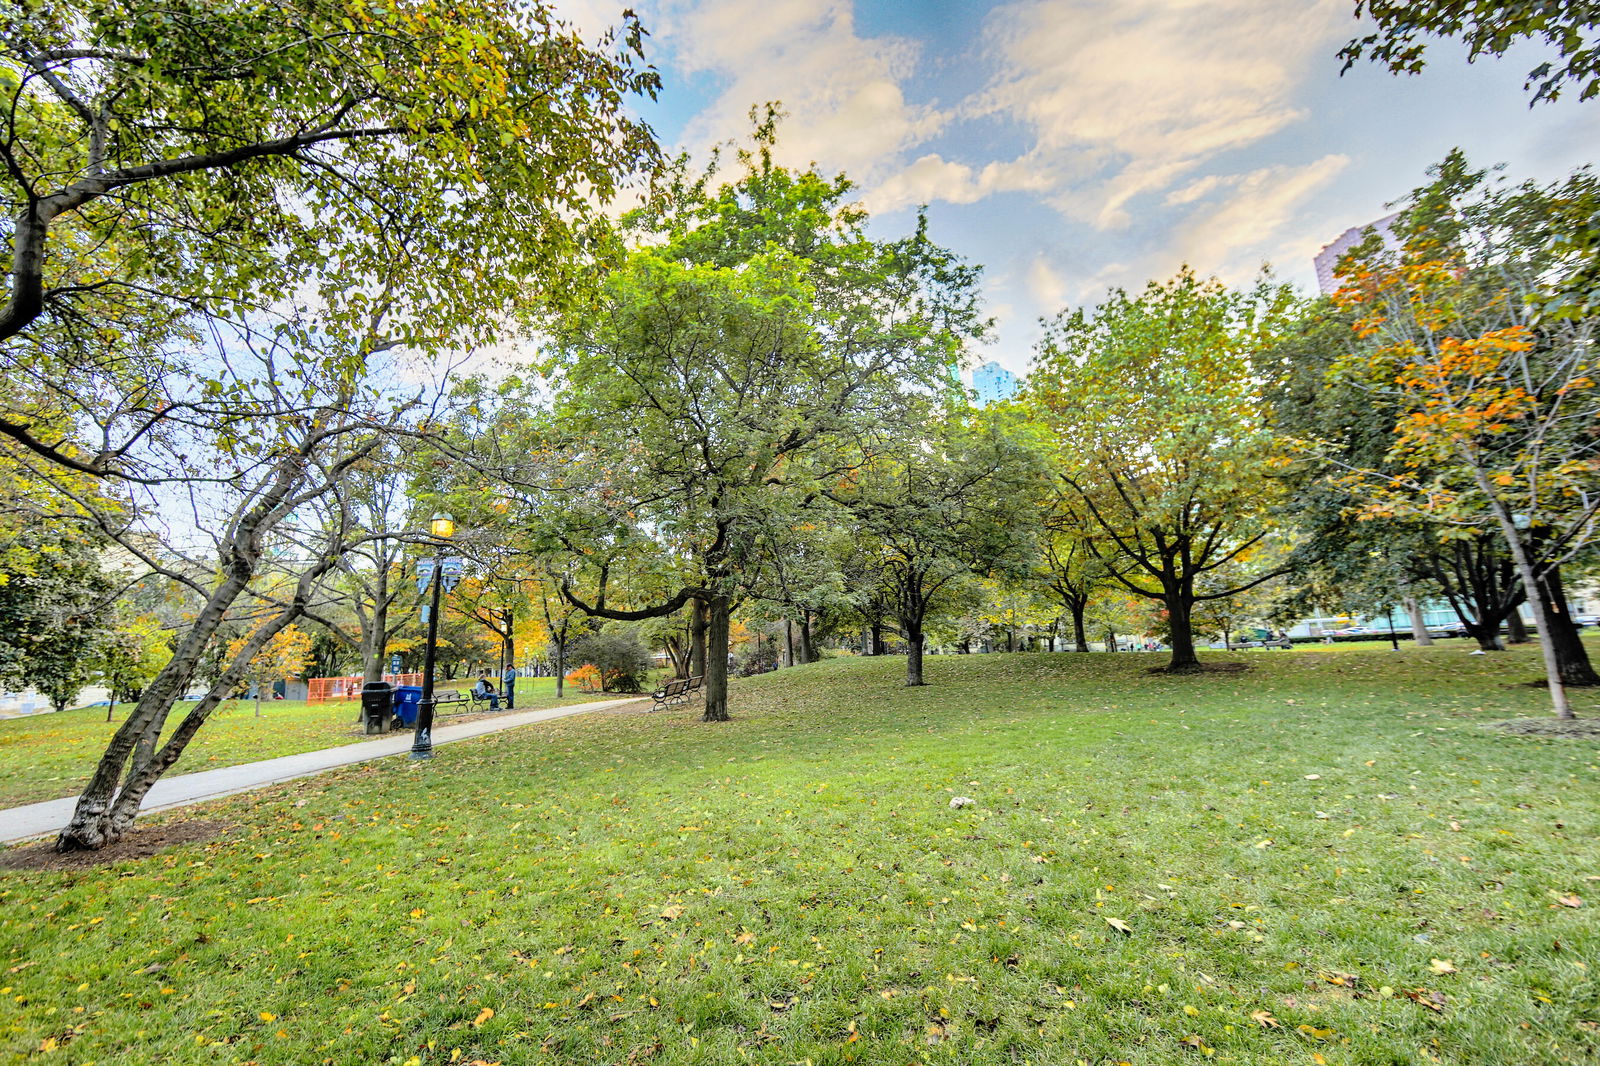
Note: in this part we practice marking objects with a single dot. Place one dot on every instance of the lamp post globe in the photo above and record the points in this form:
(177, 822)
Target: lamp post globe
(442, 527)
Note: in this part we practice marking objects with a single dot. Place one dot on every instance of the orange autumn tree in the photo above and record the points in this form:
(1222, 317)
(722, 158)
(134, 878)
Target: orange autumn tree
(1495, 405)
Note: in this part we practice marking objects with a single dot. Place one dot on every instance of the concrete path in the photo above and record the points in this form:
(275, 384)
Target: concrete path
(42, 819)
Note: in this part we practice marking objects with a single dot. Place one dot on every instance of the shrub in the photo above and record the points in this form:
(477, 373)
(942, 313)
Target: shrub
(587, 678)
(619, 655)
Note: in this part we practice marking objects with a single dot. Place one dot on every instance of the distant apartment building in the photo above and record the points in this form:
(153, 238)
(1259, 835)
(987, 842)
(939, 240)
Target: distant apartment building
(993, 383)
(1328, 258)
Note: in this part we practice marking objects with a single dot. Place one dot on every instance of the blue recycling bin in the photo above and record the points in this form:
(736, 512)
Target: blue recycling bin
(407, 698)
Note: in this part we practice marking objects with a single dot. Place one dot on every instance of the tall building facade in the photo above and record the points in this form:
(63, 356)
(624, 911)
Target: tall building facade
(993, 383)
(1328, 258)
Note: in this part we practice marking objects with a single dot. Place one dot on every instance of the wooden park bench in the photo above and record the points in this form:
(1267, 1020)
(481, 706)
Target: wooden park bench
(447, 696)
(676, 691)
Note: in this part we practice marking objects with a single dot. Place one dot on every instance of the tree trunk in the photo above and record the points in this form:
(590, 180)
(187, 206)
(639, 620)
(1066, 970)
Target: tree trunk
(90, 825)
(808, 649)
(508, 652)
(1184, 659)
(561, 662)
(1080, 638)
(1572, 658)
(1516, 628)
(1530, 586)
(697, 639)
(963, 647)
(1419, 625)
(375, 642)
(147, 769)
(1488, 639)
(1111, 639)
(678, 654)
(877, 639)
(716, 652)
(914, 639)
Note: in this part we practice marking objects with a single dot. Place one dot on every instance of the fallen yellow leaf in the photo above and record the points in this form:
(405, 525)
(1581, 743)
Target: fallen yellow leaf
(483, 1015)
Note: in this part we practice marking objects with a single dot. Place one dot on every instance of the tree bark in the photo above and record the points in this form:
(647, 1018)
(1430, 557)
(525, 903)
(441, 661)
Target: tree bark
(90, 826)
(914, 640)
(808, 649)
(716, 652)
(1111, 639)
(561, 662)
(149, 764)
(1516, 628)
(1530, 586)
(375, 641)
(1184, 660)
(508, 655)
(1572, 658)
(877, 639)
(1419, 625)
(697, 639)
(1080, 637)
(1488, 639)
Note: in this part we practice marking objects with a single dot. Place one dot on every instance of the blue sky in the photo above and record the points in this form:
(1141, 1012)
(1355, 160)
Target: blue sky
(1072, 145)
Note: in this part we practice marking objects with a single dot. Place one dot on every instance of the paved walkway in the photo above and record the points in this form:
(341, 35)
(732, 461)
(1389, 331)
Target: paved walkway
(42, 819)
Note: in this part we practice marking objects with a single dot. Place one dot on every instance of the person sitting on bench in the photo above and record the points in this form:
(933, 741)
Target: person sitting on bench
(483, 690)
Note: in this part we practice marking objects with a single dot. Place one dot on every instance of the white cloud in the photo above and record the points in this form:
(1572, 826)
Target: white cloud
(1232, 235)
(1122, 98)
(843, 92)
(1045, 284)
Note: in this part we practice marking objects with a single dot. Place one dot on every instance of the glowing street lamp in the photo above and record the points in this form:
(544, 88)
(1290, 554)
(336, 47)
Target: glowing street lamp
(443, 527)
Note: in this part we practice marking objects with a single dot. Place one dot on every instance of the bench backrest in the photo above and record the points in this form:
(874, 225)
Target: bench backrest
(676, 687)
(695, 682)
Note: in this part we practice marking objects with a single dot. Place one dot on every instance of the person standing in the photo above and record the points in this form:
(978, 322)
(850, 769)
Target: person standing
(508, 685)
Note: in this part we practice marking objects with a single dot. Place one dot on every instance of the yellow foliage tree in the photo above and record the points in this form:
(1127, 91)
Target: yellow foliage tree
(283, 658)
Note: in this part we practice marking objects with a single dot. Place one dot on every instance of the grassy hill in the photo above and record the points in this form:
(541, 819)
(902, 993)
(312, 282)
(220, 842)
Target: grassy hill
(1326, 859)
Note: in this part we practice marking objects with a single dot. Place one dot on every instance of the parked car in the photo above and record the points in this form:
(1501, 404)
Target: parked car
(1353, 631)
(1587, 620)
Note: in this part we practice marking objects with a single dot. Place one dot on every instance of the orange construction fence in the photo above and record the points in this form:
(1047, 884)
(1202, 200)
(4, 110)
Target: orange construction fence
(349, 688)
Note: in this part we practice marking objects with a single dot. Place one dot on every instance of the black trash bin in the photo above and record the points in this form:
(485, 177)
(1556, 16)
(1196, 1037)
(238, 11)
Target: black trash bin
(377, 706)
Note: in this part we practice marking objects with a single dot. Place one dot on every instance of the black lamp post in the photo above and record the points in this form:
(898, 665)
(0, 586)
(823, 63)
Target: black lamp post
(443, 527)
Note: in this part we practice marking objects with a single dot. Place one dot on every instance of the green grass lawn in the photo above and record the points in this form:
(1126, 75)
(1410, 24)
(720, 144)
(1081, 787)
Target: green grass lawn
(48, 756)
(1329, 859)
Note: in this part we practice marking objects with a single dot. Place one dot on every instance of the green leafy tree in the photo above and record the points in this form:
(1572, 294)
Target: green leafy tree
(133, 651)
(55, 611)
(737, 364)
(1163, 452)
(1487, 27)
(953, 502)
(165, 161)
